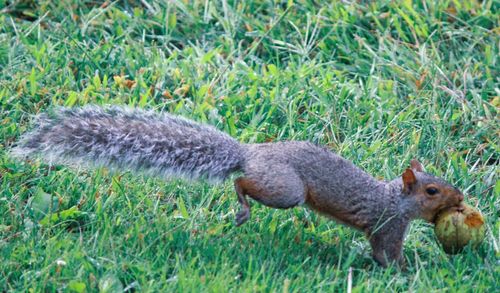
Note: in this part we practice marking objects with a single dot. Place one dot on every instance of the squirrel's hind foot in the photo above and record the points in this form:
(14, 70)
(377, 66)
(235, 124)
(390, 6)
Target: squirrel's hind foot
(242, 216)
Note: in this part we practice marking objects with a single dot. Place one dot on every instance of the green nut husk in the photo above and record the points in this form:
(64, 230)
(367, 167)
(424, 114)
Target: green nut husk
(458, 227)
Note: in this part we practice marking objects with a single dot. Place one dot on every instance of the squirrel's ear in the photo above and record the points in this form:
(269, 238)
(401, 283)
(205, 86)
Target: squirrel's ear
(415, 165)
(409, 180)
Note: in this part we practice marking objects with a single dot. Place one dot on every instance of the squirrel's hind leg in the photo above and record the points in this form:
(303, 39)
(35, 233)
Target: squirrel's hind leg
(244, 213)
(280, 192)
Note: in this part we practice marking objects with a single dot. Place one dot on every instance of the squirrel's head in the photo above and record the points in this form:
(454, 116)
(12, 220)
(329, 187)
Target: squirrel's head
(431, 194)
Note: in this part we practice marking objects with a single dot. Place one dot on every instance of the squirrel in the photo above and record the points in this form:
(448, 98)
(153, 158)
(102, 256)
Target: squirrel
(278, 174)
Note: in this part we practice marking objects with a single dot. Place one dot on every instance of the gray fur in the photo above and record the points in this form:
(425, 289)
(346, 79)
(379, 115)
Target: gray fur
(124, 138)
(301, 172)
(279, 175)
(339, 186)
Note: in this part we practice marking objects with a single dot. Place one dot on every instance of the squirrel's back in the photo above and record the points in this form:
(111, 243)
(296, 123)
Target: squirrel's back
(134, 139)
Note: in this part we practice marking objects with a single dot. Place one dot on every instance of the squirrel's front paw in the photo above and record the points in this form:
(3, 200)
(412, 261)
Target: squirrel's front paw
(385, 262)
(242, 216)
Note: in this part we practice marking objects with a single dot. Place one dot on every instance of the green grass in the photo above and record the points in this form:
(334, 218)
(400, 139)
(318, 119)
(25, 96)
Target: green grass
(379, 82)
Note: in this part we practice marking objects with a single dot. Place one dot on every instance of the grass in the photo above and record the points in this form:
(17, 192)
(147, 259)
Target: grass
(379, 82)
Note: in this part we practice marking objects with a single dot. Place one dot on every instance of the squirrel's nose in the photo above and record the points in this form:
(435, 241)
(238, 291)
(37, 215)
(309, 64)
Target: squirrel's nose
(460, 197)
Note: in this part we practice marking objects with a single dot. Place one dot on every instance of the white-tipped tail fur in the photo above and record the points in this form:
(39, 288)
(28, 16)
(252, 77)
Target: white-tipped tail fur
(134, 139)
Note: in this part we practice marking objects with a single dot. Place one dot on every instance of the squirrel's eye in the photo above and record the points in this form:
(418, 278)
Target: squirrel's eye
(431, 190)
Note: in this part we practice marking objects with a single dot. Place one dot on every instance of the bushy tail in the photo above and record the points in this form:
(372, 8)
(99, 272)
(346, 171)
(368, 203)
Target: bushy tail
(133, 139)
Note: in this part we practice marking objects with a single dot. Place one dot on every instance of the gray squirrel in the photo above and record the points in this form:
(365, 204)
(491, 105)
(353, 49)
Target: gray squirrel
(278, 175)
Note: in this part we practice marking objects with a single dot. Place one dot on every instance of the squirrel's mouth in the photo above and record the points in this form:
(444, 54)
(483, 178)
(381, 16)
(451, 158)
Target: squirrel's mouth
(437, 212)
(434, 219)
(459, 207)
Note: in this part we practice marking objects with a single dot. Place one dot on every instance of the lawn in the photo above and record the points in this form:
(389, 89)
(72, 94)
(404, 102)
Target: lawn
(378, 82)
